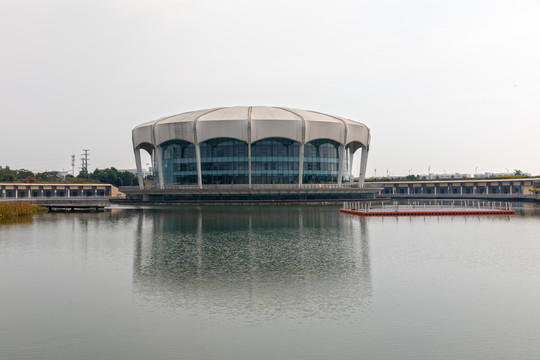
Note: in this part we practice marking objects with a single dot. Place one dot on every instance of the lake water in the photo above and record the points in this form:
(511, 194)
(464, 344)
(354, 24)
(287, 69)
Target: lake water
(290, 282)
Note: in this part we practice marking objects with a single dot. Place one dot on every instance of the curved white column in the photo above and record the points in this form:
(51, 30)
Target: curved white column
(340, 168)
(301, 168)
(250, 129)
(249, 165)
(153, 160)
(198, 157)
(139, 168)
(351, 158)
(363, 165)
(159, 155)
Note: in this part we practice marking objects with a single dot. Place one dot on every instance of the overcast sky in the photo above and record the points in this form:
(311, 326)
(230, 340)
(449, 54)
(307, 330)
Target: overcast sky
(452, 85)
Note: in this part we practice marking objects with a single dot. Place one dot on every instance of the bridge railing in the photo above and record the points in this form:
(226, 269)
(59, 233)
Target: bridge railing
(253, 187)
(464, 195)
(56, 199)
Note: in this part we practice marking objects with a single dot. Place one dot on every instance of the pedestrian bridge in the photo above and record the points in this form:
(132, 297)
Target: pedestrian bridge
(507, 189)
(95, 203)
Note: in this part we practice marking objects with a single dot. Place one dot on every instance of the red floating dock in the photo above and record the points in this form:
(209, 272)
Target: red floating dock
(430, 212)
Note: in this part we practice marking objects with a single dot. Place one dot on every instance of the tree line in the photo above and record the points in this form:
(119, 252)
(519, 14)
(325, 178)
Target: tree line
(105, 176)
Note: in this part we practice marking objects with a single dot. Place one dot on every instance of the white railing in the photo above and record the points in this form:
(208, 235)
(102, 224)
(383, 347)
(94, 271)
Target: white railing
(367, 206)
(463, 196)
(54, 198)
(254, 187)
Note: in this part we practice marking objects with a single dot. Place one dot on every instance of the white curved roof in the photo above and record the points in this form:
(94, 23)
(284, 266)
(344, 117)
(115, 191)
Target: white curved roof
(250, 124)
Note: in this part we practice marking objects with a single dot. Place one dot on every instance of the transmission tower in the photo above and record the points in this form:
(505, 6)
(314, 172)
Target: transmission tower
(73, 164)
(84, 160)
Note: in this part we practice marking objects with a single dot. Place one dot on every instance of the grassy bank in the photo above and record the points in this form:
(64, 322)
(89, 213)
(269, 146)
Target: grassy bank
(10, 210)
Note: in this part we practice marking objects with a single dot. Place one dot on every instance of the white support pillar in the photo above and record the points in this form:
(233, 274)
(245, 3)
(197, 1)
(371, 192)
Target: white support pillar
(351, 157)
(249, 165)
(139, 168)
(153, 160)
(340, 167)
(301, 166)
(160, 167)
(250, 109)
(363, 165)
(198, 156)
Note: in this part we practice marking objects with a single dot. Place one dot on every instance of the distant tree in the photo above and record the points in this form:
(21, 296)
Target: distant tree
(24, 174)
(50, 176)
(29, 180)
(114, 177)
(128, 179)
(107, 176)
(7, 175)
(21, 175)
(83, 174)
(518, 172)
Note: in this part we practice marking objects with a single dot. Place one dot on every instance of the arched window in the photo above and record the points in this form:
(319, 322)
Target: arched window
(224, 161)
(321, 162)
(275, 161)
(179, 163)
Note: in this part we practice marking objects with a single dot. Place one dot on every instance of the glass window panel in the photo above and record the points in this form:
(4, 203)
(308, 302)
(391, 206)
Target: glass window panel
(179, 163)
(275, 161)
(224, 161)
(321, 162)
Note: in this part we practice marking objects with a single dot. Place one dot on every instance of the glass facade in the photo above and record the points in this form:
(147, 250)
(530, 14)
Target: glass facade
(179, 163)
(190, 197)
(224, 161)
(275, 161)
(321, 162)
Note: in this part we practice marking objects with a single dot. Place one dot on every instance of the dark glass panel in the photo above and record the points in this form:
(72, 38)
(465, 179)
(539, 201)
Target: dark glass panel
(275, 161)
(321, 162)
(224, 161)
(179, 163)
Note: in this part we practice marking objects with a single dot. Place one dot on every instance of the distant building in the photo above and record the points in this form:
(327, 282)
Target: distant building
(450, 176)
(490, 174)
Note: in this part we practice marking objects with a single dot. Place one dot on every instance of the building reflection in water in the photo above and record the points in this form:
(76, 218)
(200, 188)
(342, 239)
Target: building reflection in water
(293, 261)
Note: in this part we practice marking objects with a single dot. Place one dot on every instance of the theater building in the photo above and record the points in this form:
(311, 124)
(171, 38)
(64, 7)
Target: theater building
(251, 153)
